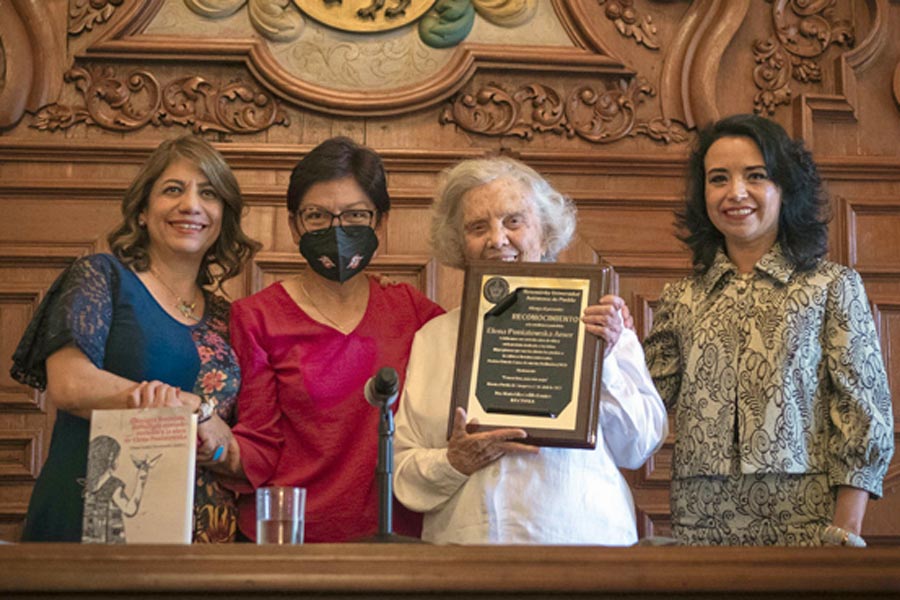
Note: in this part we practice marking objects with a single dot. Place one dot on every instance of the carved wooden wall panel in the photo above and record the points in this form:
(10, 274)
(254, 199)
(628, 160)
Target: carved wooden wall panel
(650, 488)
(877, 252)
(602, 96)
(21, 458)
(18, 302)
(44, 231)
(887, 316)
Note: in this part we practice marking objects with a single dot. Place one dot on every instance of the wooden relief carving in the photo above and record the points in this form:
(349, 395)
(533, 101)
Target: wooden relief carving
(366, 15)
(688, 91)
(450, 21)
(630, 23)
(32, 59)
(843, 101)
(84, 14)
(131, 103)
(372, 11)
(802, 34)
(441, 23)
(127, 37)
(600, 116)
(275, 20)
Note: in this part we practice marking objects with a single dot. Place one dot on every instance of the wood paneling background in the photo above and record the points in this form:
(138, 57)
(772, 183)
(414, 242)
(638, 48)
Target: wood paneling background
(601, 96)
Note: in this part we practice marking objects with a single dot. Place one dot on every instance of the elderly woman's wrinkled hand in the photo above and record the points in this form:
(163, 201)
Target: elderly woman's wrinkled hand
(470, 450)
(606, 320)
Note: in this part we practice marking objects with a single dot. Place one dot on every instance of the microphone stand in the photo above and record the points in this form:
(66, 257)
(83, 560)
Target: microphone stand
(383, 472)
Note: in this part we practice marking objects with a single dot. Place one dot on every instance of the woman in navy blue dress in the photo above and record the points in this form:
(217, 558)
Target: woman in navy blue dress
(141, 327)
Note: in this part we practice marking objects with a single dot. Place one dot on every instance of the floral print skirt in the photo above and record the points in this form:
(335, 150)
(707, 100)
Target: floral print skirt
(215, 511)
(766, 509)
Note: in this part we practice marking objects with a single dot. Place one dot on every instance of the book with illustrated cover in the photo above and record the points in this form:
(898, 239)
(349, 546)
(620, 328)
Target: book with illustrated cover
(139, 487)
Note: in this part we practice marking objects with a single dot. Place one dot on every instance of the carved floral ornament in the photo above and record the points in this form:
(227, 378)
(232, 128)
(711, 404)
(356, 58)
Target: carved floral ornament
(630, 23)
(441, 23)
(804, 30)
(129, 104)
(84, 14)
(599, 116)
(802, 33)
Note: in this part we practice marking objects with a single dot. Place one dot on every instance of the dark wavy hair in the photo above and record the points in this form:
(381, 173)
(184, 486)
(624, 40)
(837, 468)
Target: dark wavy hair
(803, 220)
(225, 259)
(336, 158)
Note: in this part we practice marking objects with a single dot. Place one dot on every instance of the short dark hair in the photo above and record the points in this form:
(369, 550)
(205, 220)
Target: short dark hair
(803, 220)
(225, 259)
(336, 158)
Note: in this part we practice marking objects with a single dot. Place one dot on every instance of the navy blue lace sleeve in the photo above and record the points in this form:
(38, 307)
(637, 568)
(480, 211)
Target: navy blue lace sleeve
(77, 310)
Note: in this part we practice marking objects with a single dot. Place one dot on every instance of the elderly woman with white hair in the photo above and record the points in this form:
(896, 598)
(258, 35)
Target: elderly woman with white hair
(487, 486)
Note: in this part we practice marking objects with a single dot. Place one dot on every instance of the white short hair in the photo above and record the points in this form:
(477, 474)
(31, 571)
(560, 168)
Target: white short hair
(556, 211)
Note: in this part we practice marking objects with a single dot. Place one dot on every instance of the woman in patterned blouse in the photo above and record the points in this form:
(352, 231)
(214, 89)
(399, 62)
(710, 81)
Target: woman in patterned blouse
(768, 355)
(141, 327)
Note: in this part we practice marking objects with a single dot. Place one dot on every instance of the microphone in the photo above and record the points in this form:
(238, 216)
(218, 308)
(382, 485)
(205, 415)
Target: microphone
(381, 388)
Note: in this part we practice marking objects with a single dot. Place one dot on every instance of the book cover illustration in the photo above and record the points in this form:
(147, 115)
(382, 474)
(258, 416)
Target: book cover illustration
(139, 486)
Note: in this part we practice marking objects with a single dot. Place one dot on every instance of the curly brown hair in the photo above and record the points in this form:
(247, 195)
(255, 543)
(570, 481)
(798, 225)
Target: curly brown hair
(225, 259)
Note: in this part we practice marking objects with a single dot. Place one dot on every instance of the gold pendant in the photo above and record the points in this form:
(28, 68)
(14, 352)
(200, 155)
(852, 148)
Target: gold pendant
(187, 310)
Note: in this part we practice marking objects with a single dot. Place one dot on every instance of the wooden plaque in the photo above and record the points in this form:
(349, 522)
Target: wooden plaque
(524, 357)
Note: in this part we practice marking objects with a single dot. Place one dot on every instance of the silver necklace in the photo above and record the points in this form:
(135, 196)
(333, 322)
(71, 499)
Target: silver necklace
(184, 307)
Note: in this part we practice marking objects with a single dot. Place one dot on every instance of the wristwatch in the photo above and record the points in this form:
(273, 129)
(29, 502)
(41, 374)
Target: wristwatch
(205, 411)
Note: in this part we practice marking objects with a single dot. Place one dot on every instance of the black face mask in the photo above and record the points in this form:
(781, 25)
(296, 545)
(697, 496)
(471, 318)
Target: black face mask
(339, 253)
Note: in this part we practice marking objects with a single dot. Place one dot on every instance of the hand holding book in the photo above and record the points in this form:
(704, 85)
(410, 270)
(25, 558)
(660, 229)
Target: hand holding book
(156, 394)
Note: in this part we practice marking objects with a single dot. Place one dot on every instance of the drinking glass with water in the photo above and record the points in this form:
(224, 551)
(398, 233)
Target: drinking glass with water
(279, 515)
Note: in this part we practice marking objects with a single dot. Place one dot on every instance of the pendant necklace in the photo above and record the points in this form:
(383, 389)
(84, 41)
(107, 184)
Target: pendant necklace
(184, 307)
(319, 310)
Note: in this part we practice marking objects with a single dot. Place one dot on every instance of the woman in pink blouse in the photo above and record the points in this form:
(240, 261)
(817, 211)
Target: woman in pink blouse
(307, 345)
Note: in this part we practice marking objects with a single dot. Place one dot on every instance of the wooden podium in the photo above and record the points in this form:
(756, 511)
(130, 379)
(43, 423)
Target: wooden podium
(365, 571)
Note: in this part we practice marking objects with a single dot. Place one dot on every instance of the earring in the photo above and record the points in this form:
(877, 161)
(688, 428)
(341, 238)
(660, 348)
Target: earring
(142, 222)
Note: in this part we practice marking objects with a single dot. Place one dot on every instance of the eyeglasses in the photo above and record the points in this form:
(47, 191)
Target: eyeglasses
(315, 218)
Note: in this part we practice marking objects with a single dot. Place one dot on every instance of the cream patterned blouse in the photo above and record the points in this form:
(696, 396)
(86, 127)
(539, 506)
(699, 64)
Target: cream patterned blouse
(777, 371)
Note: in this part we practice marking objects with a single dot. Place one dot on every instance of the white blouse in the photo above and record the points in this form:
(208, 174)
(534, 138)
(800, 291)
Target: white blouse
(558, 496)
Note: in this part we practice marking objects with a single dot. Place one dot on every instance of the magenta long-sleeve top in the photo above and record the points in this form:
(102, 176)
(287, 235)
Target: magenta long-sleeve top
(302, 417)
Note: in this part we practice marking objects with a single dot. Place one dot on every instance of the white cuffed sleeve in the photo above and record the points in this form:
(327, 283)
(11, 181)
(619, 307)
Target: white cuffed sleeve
(633, 418)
